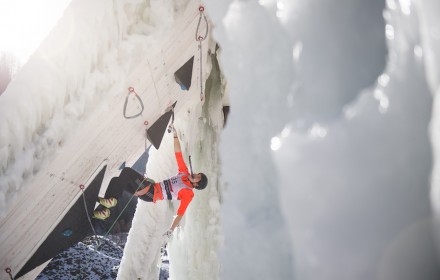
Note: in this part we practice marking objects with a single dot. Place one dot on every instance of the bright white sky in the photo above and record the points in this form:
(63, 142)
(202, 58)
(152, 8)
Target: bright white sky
(25, 23)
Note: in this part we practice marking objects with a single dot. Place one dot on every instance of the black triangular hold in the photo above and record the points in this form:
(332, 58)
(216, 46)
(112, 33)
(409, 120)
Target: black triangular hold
(122, 166)
(183, 76)
(157, 130)
(73, 227)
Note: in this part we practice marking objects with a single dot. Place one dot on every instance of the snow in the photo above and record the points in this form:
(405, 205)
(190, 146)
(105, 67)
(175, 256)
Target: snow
(94, 258)
(327, 168)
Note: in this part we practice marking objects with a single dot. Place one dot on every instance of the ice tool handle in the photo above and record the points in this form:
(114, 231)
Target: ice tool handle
(190, 167)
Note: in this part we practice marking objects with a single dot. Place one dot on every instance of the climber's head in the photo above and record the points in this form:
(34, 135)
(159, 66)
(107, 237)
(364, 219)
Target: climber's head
(199, 181)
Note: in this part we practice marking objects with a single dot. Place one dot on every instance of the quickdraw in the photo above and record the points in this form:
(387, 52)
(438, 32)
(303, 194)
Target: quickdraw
(200, 38)
(201, 14)
(131, 90)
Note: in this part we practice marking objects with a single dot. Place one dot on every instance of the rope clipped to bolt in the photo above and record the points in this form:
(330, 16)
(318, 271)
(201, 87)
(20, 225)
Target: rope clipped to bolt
(200, 38)
(83, 268)
(82, 187)
(99, 244)
(9, 272)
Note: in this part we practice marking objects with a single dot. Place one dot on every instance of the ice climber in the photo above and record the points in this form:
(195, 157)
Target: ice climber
(179, 187)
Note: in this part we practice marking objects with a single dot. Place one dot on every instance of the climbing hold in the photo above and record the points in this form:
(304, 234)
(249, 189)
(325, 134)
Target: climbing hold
(131, 90)
(68, 232)
(157, 130)
(183, 75)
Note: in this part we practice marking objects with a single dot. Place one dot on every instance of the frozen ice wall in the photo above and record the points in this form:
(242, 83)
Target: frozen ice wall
(327, 158)
(430, 33)
(256, 60)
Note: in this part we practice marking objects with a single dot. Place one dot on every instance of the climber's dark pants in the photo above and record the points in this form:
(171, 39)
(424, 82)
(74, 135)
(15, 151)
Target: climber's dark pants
(130, 181)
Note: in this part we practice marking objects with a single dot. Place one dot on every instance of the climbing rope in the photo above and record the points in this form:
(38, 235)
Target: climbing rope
(120, 214)
(154, 83)
(82, 268)
(99, 244)
(146, 136)
(87, 213)
(200, 38)
(125, 207)
(131, 90)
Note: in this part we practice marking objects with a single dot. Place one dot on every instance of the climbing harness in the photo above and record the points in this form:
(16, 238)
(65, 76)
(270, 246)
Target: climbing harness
(131, 90)
(200, 38)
